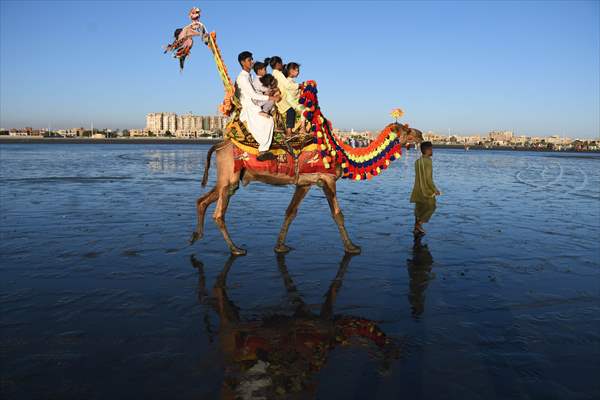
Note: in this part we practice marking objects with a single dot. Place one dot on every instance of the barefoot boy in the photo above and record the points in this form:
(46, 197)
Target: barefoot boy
(424, 190)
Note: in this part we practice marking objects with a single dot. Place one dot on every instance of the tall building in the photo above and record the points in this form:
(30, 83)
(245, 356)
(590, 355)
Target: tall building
(154, 122)
(169, 122)
(214, 123)
(206, 123)
(501, 136)
(186, 125)
(197, 122)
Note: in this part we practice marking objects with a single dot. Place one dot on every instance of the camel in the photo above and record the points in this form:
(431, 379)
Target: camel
(228, 180)
(317, 157)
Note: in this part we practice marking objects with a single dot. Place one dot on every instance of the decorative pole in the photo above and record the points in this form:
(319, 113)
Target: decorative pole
(397, 113)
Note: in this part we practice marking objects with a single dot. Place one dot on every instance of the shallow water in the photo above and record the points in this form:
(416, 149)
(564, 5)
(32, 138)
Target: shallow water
(102, 298)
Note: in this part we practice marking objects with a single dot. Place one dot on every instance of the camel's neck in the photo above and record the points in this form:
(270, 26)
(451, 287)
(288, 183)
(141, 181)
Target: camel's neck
(221, 68)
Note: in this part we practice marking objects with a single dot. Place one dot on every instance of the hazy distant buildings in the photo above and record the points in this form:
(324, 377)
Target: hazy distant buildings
(17, 133)
(71, 132)
(368, 135)
(169, 124)
(501, 137)
(137, 132)
(434, 137)
(509, 139)
(186, 125)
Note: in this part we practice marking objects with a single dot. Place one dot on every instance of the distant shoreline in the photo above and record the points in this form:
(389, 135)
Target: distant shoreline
(140, 140)
(163, 140)
(509, 148)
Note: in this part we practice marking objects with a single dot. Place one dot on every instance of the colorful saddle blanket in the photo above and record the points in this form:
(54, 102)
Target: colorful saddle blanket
(309, 162)
(238, 132)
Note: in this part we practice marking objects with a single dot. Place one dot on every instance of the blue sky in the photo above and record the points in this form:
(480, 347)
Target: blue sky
(468, 67)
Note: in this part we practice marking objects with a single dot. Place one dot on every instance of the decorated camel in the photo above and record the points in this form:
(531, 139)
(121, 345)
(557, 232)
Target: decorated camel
(317, 157)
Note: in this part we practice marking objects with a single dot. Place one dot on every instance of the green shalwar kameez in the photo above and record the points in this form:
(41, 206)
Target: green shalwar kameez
(423, 194)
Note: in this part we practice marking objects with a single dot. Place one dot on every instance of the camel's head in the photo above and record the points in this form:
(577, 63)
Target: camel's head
(407, 134)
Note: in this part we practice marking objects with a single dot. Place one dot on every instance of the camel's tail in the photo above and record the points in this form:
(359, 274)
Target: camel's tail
(215, 147)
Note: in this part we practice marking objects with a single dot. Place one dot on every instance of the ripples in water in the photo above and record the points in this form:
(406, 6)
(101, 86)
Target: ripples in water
(99, 285)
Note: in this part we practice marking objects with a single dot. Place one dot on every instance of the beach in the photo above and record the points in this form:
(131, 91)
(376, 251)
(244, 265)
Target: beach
(102, 297)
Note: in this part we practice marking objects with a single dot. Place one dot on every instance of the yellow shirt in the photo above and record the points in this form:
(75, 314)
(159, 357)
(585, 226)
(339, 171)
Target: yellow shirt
(289, 93)
(424, 188)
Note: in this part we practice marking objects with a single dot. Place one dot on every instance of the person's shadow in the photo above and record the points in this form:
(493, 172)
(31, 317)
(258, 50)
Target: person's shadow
(277, 356)
(419, 273)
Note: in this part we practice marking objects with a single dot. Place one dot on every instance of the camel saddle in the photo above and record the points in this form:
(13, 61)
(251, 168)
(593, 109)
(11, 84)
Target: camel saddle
(238, 133)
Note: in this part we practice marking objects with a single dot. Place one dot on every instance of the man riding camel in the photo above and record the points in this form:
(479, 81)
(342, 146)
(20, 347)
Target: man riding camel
(259, 124)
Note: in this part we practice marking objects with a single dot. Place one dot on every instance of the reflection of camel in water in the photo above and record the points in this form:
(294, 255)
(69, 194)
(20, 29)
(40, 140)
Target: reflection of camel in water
(278, 356)
(419, 272)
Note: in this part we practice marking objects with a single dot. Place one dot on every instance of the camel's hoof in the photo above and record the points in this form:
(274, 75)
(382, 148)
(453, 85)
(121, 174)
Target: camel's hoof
(236, 251)
(352, 249)
(282, 248)
(195, 236)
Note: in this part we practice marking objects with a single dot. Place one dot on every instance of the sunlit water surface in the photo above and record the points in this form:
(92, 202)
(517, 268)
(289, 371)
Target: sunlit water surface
(101, 297)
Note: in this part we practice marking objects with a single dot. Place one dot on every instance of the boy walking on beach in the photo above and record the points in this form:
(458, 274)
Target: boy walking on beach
(424, 190)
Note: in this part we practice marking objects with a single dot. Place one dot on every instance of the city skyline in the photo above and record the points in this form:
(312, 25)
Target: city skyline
(464, 66)
(143, 121)
(178, 124)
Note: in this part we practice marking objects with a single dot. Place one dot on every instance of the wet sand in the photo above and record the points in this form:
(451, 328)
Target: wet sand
(101, 297)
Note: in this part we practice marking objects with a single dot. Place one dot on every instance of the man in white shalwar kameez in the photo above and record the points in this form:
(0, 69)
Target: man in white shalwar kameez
(260, 126)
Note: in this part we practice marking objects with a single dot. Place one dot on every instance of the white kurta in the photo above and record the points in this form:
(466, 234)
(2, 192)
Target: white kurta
(260, 127)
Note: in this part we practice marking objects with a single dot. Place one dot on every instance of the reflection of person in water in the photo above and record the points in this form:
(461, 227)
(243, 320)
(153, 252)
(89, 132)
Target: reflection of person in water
(279, 355)
(419, 273)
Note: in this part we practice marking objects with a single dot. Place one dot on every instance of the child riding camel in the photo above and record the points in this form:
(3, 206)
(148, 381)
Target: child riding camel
(266, 84)
(288, 105)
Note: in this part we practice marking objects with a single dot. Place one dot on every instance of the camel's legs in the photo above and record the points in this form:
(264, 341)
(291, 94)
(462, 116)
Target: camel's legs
(338, 217)
(219, 217)
(290, 214)
(228, 312)
(227, 182)
(203, 296)
(202, 293)
(201, 204)
(334, 288)
(300, 306)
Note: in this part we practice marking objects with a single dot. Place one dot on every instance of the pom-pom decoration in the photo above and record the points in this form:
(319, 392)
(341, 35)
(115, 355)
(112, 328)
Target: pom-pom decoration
(397, 113)
(356, 163)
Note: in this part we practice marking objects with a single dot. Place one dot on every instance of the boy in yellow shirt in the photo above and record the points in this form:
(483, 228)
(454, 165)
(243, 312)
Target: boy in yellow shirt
(424, 190)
